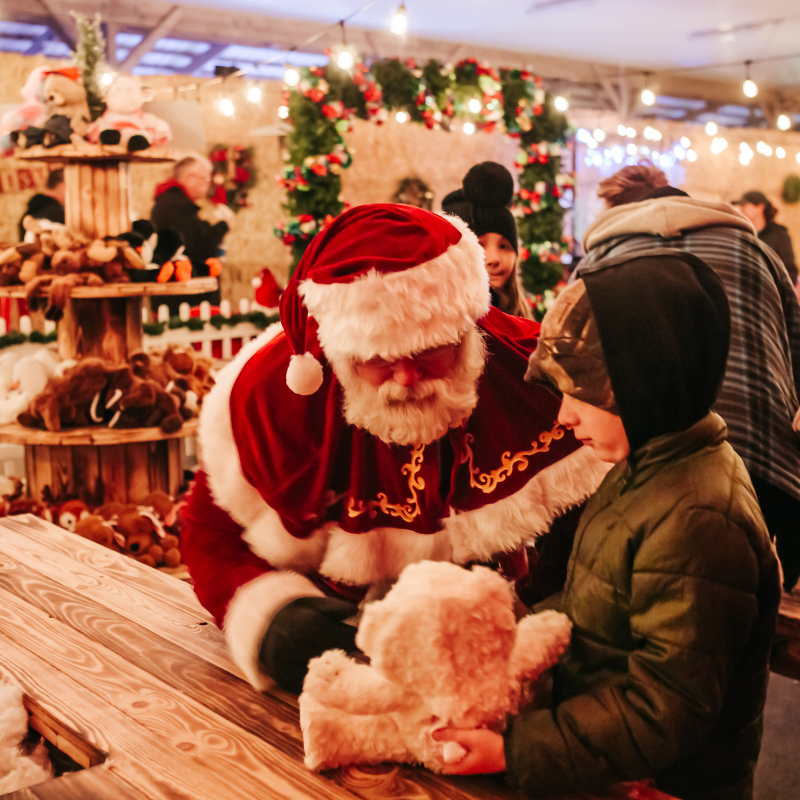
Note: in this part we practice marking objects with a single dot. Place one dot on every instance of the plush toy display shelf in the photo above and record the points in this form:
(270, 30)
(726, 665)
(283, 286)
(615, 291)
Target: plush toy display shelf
(103, 322)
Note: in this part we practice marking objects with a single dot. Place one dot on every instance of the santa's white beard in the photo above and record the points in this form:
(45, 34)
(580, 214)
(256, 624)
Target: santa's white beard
(418, 414)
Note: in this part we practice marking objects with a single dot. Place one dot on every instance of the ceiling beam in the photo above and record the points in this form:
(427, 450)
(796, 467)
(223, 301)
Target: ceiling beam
(56, 25)
(242, 27)
(163, 27)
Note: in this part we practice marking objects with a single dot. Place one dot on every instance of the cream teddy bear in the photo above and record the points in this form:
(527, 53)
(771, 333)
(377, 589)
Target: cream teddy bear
(445, 650)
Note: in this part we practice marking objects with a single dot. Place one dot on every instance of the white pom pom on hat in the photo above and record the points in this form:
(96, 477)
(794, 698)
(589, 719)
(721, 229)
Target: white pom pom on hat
(304, 375)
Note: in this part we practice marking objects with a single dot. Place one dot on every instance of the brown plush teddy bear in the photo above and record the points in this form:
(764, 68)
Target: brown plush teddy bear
(96, 529)
(65, 96)
(67, 400)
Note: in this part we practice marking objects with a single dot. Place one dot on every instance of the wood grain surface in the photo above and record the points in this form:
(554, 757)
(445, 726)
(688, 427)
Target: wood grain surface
(193, 286)
(126, 659)
(94, 435)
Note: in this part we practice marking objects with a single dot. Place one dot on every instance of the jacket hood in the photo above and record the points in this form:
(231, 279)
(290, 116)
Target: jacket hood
(664, 327)
(664, 216)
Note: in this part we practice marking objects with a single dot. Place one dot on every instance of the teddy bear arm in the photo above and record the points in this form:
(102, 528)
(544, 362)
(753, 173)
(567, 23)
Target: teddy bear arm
(336, 681)
(541, 639)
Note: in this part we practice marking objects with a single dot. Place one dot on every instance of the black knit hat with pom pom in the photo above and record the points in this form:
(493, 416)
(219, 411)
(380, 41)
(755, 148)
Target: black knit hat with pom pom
(483, 201)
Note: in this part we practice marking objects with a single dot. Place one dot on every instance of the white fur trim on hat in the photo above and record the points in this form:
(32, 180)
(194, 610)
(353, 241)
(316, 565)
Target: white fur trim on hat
(398, 313)
(304, 374)
(251, 612)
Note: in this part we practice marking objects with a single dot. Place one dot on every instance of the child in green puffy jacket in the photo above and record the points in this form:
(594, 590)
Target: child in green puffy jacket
(672, 586)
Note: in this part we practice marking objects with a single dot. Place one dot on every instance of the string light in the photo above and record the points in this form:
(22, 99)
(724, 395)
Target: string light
(291, 77)
(561, 103)
(686, 142)
(711, 128)
(401, 117)
(749, 87)
(599, 134)
(780, 152)
(227, 107)
(798, 158)
(764, 149)
(648, 95)
(631, 149)
(630, 133)
(106, 79)
(621, 129)
(254, 94)
(345, 60)
(283, 112)
(469, 128)
(399, 24)
(474, 105)
(691, 155)
(745, 154)
(718, 145)
(784, 123)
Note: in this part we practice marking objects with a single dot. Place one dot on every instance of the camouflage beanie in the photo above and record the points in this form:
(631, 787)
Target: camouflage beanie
(568, 355)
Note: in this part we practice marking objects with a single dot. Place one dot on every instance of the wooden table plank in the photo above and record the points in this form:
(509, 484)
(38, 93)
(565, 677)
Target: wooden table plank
(182, 724)
(174, 624)
(136, 754)
(97, 783)
(273, 717)
(156, 583)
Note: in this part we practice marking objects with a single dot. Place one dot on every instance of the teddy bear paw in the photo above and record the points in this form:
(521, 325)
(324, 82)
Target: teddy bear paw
(324, 672)
(452, 752)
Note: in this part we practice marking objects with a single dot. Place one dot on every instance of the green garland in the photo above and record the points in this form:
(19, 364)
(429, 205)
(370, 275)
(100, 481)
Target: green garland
(326, 99)
(89, 57)
(257, 318)
(791, 189)
(35, 337)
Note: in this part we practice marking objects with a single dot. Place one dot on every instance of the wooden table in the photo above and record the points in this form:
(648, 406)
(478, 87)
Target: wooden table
(126, 672)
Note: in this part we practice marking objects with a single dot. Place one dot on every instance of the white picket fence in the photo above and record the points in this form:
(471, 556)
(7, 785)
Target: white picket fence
(226, 334)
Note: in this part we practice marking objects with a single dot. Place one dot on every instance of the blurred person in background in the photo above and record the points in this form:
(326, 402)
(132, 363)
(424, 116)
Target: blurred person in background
(48, 204)
(758, 209)
(483, 203)
(759, 395)
(176, 207)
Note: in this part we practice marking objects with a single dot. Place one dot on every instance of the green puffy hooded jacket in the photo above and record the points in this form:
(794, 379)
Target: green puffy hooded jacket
(672, 585)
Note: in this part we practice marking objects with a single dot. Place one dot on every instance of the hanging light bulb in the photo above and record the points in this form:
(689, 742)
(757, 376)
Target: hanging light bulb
(599, 134)
(469, 128)
(749, 87)
(561, 103)
(227, 107)
(691, 155)
(621, 129)
(784, 123)
(401, 117)
(711, 128)
(686, 142)
(283, 112)
(630, 133)
(474, 106)
(780, 152)
(345, 60)
(399, 24)
(631, 149)
(291, 77)
(254, 94)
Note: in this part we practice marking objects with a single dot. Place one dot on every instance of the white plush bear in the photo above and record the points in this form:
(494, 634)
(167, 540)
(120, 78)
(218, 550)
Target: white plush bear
(445, 650)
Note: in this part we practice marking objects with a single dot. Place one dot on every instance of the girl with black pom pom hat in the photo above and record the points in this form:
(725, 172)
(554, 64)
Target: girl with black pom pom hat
(482, 202)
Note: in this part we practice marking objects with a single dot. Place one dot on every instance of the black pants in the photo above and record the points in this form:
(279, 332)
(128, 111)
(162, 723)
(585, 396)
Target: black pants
(782, 515)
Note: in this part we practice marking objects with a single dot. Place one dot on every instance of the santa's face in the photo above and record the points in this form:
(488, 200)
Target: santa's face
(417, 398)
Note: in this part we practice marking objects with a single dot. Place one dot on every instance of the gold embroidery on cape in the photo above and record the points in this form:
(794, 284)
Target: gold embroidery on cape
(487, 483)
(408, 512)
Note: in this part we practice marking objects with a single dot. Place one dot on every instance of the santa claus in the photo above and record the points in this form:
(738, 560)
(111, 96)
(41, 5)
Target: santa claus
(384, 421)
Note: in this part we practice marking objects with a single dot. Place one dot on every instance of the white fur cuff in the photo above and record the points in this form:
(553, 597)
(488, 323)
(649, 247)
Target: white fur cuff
(251, 612)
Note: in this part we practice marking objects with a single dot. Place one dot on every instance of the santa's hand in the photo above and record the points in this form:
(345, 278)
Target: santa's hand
(302, 630)
(485, 751)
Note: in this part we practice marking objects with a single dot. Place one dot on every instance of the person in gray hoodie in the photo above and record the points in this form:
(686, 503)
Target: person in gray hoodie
(759, 395)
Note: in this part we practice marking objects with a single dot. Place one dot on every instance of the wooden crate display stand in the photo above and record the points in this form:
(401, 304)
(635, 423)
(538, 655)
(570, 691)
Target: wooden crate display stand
(103, 322)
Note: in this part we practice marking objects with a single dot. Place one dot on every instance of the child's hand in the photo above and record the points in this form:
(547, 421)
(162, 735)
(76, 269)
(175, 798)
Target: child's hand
(485, 751)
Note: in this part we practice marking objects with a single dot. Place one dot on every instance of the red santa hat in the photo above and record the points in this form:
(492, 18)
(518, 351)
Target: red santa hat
(382, 280)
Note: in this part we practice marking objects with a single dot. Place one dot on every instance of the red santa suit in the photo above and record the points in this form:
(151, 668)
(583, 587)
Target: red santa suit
(295, 502)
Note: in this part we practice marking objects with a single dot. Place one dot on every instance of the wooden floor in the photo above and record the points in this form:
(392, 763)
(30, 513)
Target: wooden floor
(125, 659)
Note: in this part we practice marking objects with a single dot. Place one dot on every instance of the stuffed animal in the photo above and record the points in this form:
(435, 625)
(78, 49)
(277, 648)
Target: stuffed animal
(124, 122)
(18, 768)
(24, 373)
(94, 528)
(445, 650)
(67, 111)
(33, 112)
